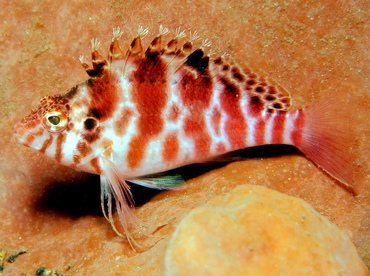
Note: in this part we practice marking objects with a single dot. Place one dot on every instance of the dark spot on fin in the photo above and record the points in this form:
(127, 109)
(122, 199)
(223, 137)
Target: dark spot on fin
(259, 89)
(197, 60)
(218, 60)
(270, 98)
(98, 70)
(238, 76)
(231, 88)
(152, 55)
(225, 67)
(277, 105)
(255, 100)
(251, 82)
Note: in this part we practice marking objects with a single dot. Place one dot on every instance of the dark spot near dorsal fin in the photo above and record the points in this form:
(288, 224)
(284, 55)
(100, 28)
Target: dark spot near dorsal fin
(277, 106)
(238, 76)
(218, 60)
(71, 93)
(197, 60)
(259, 89)
(94, 113)
(97, 71)
(255, 100)
(256, 105)
(251, 82)
(152, 55)
(230, 87)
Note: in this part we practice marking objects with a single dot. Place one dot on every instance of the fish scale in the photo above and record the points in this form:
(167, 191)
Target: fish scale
(147, 112)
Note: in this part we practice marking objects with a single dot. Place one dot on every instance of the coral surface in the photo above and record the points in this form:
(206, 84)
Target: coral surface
(254, 230)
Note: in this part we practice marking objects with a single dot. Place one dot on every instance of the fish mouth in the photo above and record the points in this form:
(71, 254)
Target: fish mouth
(18, 133)
(16, 136)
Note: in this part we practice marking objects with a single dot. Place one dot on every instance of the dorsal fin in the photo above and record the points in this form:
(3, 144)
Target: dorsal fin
(98, 62)
(257, 85)
(269, 92)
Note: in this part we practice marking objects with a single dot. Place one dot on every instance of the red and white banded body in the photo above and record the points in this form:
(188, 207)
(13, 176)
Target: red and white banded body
(144, 112)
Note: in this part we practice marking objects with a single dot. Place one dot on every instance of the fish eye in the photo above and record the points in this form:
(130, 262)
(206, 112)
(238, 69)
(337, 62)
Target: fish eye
(55, 121)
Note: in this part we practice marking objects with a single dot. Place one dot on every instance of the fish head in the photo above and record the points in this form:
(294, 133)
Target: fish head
(48, 120)
(61, 128)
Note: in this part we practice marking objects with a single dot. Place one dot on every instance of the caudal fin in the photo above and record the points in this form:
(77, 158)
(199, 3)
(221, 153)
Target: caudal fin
(328, 138)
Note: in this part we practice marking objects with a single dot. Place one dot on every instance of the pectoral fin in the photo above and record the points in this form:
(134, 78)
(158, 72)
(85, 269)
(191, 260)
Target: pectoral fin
(160, 181)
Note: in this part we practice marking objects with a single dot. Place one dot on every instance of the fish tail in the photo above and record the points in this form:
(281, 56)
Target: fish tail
(326, 138)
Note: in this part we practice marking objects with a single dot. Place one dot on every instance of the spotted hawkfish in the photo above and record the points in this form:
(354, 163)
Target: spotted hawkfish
(144, 112)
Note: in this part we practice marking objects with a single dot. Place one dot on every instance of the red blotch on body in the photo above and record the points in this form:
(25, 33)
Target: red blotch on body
(105, 94)
(136, 151)
(220, 148)
(259, 131)
(174, 113)
(122, 123)
(96, 165)
(296, 134)
(278, 127)
(196, 90)
(76, 160)
(84, 148)
(107, 146)
(235, 126)
(216, 121)
(92, 136)
(255, 106)
(170, 147)
(196, 129)
(149, 93)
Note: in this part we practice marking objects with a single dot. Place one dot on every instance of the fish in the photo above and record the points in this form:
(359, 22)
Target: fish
(144, 112)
